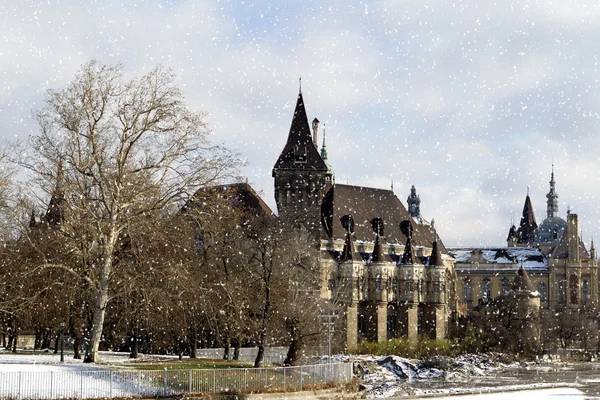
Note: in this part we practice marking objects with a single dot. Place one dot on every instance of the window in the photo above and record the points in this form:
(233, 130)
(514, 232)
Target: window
(560, 287)
(542, 288)
(409, 286)
(486, 288)
(585, 289)
(504, 286)
(467, 290)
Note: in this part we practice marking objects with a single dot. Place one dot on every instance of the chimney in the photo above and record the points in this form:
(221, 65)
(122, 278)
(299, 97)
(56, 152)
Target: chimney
(315, 127)
(573, 237)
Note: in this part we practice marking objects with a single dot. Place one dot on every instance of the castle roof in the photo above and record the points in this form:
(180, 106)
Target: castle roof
(240, 196)
(365, 204)
(299, 151)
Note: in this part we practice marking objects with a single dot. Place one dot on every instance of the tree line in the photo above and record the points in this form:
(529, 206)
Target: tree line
(119, 231)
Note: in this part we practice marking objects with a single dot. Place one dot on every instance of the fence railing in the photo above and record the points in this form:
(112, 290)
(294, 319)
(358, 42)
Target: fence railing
(110, 384)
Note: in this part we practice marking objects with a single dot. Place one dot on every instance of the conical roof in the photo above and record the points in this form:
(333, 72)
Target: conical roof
(527, 227)
(410, 254)
(522, 281)
(435, 260)
(299, 151)
(378, 255)
(349, 252)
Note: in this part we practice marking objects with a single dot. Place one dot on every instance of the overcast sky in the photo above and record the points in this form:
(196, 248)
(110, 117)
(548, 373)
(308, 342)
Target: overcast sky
(468, 100)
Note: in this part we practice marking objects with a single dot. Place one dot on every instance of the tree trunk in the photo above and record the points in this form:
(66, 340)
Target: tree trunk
(294, 347)
(134, 345)
(194, 344)
(227, 347)
(236, 349)
(56, 339)
(14, 349)
(77, 346)
(91, 355)
(10, 340)
(37, 343)
(259, 356)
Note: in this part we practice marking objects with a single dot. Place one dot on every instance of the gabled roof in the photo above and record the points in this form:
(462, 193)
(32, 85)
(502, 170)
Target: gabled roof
(366, 204)
(299, 151)
(561, 251)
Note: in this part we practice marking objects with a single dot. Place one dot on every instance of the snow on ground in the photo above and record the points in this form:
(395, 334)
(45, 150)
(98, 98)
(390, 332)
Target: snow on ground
(42, 375)
(396, 376)
(539, 394)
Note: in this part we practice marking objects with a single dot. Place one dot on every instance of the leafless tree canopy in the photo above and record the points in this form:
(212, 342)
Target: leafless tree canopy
(115, 153)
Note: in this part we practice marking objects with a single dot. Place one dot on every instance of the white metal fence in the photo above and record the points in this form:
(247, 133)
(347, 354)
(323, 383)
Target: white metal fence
(109, 384)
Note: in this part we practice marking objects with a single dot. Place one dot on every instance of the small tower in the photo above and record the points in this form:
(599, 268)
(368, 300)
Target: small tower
(414, 204)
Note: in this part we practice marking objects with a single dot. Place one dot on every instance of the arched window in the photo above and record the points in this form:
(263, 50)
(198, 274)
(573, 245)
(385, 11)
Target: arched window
(467, 290)
(542, 289)
(486, 288)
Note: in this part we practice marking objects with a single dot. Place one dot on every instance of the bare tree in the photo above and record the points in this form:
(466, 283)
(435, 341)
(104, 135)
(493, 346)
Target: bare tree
(122, 151)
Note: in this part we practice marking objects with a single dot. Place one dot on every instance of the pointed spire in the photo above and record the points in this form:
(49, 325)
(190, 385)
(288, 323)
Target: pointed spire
(410, 255)
(527, 227)
(436, 257)
(592, 250)
(378, 255)
(552, 198)
(324, 152)
(349, 252)
(299, 151)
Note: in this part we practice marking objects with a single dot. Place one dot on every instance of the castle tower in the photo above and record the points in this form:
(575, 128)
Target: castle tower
(300, 176)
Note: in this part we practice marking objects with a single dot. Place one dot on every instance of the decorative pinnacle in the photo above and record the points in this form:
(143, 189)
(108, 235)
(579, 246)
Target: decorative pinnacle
(300, 85)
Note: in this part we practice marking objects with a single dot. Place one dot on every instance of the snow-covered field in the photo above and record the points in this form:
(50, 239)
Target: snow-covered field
(468, 377)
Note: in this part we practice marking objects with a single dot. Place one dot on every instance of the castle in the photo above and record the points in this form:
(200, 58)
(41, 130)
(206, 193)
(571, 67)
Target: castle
(389, 271)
